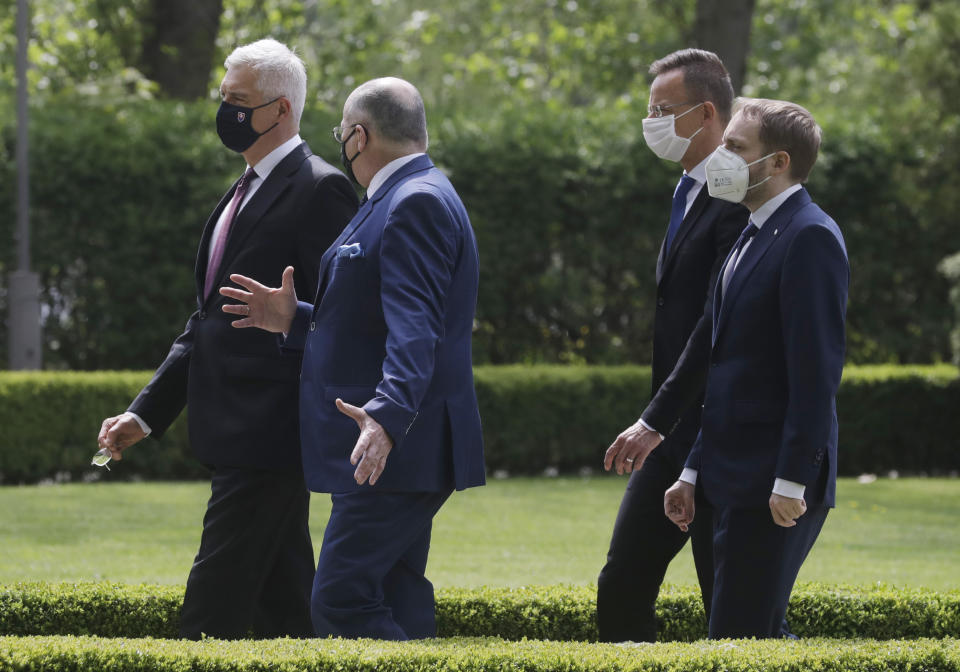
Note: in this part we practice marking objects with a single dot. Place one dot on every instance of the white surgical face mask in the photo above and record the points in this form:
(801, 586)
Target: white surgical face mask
(662, 138)
(728, 175)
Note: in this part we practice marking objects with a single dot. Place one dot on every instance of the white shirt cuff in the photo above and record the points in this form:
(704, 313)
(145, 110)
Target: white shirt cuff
(688, 476)
(143, 425)
(789, 489)
(643, 424)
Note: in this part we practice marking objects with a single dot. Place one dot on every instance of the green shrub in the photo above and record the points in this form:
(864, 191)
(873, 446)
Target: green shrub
(562, 613)
(891, 417)
(58, 654)
(568, 204)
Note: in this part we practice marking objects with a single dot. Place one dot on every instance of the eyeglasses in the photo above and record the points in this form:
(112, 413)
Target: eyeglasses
(338, 132)
(659, 110)
(101, 458)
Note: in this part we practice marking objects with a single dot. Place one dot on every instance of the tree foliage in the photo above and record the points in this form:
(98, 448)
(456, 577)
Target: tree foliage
(535, 107)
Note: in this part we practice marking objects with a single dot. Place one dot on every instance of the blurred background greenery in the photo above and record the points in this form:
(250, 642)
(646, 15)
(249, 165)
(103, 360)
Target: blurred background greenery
(534, 110)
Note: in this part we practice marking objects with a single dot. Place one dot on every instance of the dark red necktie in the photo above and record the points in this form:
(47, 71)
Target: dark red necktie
(221, 242)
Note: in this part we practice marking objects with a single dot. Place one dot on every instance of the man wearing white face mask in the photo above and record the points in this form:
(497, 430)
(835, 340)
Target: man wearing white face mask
(690, 104)
(766, 457)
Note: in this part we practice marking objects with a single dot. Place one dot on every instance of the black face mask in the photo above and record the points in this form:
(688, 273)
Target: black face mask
(235, 125)
(348, 162)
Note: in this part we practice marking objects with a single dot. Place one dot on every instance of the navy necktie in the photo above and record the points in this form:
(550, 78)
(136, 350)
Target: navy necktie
(678, 208)
(747, 234)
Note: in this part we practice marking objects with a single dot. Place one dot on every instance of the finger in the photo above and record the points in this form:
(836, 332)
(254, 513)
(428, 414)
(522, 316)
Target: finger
(247, 283)
(286, 282)
(245, 322)
(350, 410)
(104, 428)
(365, 469)
(378, 469)
(610, 454)
(360, 449)
(236, 308)
(237, 294)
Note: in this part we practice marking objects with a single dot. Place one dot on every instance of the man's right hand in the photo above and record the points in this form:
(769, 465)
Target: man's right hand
(119, 433)
(678, 504)
(261, 306)
(631, 448)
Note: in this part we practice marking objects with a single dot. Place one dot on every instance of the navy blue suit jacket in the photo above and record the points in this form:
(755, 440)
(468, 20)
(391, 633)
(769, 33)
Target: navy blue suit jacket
(776, 360)
(391, 331)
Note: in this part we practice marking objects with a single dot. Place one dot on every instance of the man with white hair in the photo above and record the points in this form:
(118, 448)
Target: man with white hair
(253, 573)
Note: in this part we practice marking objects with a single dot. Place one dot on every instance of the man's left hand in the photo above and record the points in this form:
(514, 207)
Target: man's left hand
(786, 510)
(370, 454)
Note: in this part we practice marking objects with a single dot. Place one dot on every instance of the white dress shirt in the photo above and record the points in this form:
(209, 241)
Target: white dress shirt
(759, 217)
(261, 171)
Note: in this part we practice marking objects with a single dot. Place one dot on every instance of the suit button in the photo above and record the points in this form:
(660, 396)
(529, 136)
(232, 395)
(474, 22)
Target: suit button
(203, 314)
(660, 301)
(313, 326)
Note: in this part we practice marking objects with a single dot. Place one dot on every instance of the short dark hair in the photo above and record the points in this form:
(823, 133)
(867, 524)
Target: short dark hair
(704, 75)
(787, 127)
(394, 108)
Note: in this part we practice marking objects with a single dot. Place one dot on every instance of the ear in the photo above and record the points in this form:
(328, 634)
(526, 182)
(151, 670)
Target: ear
(781, 162)
(284, 109)
(361, 137)
(709, 111)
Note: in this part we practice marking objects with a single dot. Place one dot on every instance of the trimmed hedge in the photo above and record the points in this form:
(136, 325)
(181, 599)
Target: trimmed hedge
(562, 613)
(474, 655)
(891, 417)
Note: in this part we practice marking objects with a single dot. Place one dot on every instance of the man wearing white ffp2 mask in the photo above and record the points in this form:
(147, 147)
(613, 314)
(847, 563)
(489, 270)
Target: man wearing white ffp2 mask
(766, 456)
(728, 175)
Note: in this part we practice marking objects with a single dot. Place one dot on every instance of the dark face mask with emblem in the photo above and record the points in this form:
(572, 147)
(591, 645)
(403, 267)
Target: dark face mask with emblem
(235, 125)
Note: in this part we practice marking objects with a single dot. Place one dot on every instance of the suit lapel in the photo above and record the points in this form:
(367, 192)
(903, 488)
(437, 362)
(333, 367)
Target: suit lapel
(771, 231)
(696, 210)
(417, 165)
(259, 204)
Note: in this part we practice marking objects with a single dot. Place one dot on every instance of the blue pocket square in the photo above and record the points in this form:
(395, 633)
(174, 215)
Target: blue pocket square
(349, 251)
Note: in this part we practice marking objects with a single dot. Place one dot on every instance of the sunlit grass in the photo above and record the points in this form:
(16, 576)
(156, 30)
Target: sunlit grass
(511, 532)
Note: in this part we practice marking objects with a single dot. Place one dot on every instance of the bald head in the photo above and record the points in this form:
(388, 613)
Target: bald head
(393, 109)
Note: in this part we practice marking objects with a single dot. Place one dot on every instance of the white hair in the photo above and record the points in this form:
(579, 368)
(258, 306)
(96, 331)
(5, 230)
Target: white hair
(278, 70)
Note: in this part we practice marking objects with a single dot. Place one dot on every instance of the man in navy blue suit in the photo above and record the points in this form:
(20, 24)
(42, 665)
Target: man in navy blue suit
(388, 413)
(766, 457)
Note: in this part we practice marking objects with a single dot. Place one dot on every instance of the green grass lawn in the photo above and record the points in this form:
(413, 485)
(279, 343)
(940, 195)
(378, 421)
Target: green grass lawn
(512, 532)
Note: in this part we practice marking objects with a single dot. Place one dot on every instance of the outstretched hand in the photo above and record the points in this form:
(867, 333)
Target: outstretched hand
(271, 309)
(374, 444)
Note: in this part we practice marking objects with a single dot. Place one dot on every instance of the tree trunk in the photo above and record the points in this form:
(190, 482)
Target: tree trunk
(179, 45)
(723, 27)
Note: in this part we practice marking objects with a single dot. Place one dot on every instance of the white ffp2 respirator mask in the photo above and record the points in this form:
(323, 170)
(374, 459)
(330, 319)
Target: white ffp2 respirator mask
(728, 175)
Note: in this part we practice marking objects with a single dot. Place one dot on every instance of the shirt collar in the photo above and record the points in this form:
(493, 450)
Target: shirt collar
(699, 172)
(266, 165)
(763, 213)
(384, 173)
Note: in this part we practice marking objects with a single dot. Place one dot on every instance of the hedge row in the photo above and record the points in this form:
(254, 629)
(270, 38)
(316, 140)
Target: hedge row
(561, 613)
(569, 219)
(56, 654)
(534, 417)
